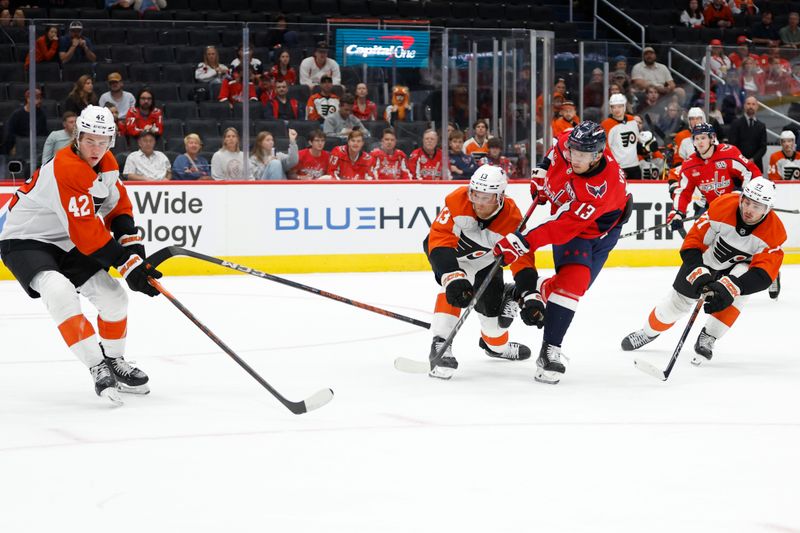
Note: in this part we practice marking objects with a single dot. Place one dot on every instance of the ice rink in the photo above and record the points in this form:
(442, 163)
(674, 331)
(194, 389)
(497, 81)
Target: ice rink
(714, 449)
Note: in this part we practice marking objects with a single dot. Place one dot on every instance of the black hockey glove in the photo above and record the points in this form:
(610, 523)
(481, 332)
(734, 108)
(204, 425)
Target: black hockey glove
(699, 277)
(133, 243)
(720, 294)
(135, 272)
(675, 219)
(532, 309)
(457, 288)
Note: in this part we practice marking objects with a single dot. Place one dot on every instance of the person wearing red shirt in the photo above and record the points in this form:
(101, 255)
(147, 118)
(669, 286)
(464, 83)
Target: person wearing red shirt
(313, 161)
(281, 71)
(364, 109)
(281, 106)
(349, 162)
(232, 89)
(46, 47)
(425, 163)
(145, 116)
(390, 163)
(718, 15)
(495, 158)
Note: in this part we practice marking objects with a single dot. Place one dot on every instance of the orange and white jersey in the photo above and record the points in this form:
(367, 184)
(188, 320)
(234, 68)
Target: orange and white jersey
(784, 168)
(458, 227)
(66, 201)
(724, 244)
(623, 139)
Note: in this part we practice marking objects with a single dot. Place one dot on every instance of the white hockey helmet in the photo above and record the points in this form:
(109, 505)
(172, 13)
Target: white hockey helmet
(490, 179)
(696, 112)
(761, 190)
(98, 121)
(645, 136)
(787, 135)
(617, 99)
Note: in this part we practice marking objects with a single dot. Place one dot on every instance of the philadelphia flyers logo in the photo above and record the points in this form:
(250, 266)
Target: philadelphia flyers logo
(628, 138)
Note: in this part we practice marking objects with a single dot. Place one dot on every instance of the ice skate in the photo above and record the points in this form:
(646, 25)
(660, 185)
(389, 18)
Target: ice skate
(636, 340)
(549, 367)
(775, 289)
(445, 366)
(704, 348)
(105, 383)
(513, 351)
(510, 308)
(129, 378)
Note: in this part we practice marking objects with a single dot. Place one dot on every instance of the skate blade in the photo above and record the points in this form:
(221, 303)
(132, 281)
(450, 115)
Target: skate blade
(442, 372)
(550, 378)
(128, 389)
(112, 395)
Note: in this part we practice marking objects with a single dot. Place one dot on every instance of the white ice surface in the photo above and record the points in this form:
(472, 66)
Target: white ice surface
(713, 449)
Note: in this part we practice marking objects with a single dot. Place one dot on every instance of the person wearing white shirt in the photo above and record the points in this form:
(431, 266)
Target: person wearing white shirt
(122, 100)
(61, 138)
(147, 163)
(227, 163)
(313, 68)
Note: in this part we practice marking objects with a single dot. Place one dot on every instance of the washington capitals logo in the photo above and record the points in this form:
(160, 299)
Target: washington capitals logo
(5, 199)
(597, 191)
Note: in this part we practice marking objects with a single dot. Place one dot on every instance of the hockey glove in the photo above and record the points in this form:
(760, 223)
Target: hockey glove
(532, 309)
(511, 247)
(675, 219)
(673, 188)
(457, 288)
(537, 186)
(699, 278)
(135, 272)
(720, 294)
(133, 243)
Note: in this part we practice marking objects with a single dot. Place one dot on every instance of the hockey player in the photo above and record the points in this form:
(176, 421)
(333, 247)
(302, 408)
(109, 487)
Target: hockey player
(785, 163)
(57, 241)
(684, 146)
(714, 169)
(623, 136)
(733, 250)
(458, 247)
(586, 188)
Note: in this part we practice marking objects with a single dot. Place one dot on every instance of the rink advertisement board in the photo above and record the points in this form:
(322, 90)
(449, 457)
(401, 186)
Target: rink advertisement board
(356, 226)
(383, 48)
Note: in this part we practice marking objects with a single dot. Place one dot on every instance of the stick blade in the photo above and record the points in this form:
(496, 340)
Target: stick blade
(648, 368)
(315, 401)
(412, 366)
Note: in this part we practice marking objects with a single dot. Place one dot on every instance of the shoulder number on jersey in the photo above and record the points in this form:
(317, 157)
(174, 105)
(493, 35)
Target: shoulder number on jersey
(79, 206)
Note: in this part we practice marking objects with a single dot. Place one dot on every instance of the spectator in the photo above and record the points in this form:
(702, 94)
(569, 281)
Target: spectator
(119, 4)
(17, 123)
(462, 166)
(227, 162)
(747, 7)
(749, 134)
(742, 52)
(567, 119)
(425, 163)
(282, 107)
(119, 122)
(764, 32)
(649, 102)
(477, 145)
(349, 161)
(619, 62)
(6, 18)
(265, 87)
(314, 68)
(401, 107)
(765, 60)
(324, 102)
(794, 80)
(692, 16)
(752, 78)
(341, 123)
(312, 161)
(720, 63)
(145, 116)
(363, 108)
(46, 47)
(255, 64)
(390, 162)
(210, 70)
(621, 78)
(731, 96)
(790, 34)
(717, 14)
(17, 18)
(559, 89)
(147, 163)
(122, 100)
(190, 165)
(776, 79)
(670, 122)
(81, 95)
(282, 71)
(280, 37)
(149, 5)
(75, 47)
(265, 164)
(650, 72)
(496, 159)
(60, 138)
(232, 90)
(593, 91)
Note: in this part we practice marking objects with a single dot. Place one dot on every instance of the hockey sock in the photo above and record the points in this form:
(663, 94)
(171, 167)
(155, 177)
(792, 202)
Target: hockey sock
(565, 291)
(720, 322)
(492, 334)
(111, 301)
(112, 336)
(666, 313)
(445, 317)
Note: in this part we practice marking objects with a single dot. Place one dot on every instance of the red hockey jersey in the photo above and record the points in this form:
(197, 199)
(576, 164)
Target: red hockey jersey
(309, 167)
(390, 166)
(425, 167)
(341, 167)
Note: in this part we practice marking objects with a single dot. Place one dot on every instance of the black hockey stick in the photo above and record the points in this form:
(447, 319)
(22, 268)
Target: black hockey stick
(648, 368)
(657, 226)
(413, 366)
(171, 251)
(790, 211)
(314, 401)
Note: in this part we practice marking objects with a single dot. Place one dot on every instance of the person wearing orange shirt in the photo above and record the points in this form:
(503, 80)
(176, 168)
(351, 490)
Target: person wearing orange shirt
(785, 163)
(567, 118)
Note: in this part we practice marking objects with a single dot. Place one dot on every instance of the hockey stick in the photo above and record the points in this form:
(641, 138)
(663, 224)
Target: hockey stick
(171, 251)
(657, 226)
(414, 366)
(648, 368)
(314, 401)
(790, 211)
